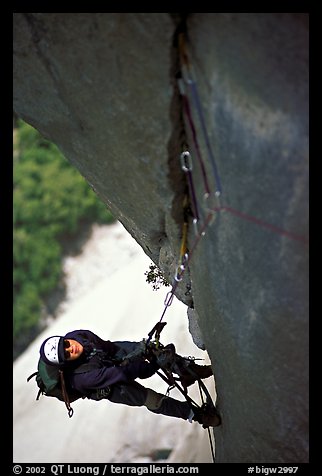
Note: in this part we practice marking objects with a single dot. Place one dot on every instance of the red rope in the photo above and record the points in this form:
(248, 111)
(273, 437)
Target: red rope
(264, 224)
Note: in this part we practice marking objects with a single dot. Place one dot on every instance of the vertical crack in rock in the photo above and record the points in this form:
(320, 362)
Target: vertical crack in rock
(177, 143)
(178, 137)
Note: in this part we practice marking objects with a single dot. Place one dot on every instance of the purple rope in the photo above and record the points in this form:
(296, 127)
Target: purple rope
(195, 141)
(193, 195)
(196, 99)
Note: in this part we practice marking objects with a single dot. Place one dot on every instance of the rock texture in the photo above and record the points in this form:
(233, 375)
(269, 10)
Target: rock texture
(101, 86)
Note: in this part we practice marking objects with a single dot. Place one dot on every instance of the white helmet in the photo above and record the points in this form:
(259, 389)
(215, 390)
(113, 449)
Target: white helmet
(52, 350)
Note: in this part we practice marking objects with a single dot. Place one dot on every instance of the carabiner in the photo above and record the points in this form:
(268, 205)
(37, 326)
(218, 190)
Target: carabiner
(178, 275)
(168, 300)
(181, 86)
(186, 161)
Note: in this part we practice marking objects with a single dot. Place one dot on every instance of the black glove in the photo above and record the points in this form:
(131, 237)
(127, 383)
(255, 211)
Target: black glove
(110, 348)
(140, 369)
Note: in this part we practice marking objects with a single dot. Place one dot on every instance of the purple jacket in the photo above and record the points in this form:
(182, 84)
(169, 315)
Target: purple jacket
(103, 372)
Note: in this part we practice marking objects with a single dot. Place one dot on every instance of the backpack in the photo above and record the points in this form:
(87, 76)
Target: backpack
(51, 383)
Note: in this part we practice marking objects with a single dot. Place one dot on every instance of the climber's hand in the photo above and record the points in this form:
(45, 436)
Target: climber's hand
(124, 362)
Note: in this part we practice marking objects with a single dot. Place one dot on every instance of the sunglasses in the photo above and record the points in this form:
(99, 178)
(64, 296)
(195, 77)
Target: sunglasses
(66, 352)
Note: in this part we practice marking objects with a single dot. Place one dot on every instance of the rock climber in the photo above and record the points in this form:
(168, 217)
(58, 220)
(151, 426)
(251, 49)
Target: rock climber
(110, 373)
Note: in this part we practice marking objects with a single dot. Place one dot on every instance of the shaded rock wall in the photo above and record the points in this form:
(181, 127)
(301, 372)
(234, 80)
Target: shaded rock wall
(101, 86)
(257, 289)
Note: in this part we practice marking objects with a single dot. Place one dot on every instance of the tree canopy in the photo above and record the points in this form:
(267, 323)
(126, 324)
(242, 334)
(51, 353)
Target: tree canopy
(51, 202)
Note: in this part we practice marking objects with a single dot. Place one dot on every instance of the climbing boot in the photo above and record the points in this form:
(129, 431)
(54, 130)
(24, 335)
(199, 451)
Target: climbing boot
(207, 416)
(193, 372)
(202, 371)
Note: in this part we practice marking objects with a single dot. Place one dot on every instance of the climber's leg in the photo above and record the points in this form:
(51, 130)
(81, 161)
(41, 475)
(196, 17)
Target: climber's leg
(129, 393)
(134, 394)
(157, 403)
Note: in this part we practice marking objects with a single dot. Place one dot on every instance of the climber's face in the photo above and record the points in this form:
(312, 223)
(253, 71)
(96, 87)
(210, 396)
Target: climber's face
(72, 349)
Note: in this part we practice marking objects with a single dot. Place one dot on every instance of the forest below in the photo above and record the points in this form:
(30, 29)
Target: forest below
(52, 206)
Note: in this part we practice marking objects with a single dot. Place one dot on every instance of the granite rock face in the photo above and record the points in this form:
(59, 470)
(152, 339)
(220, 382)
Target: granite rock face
(102, 87)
